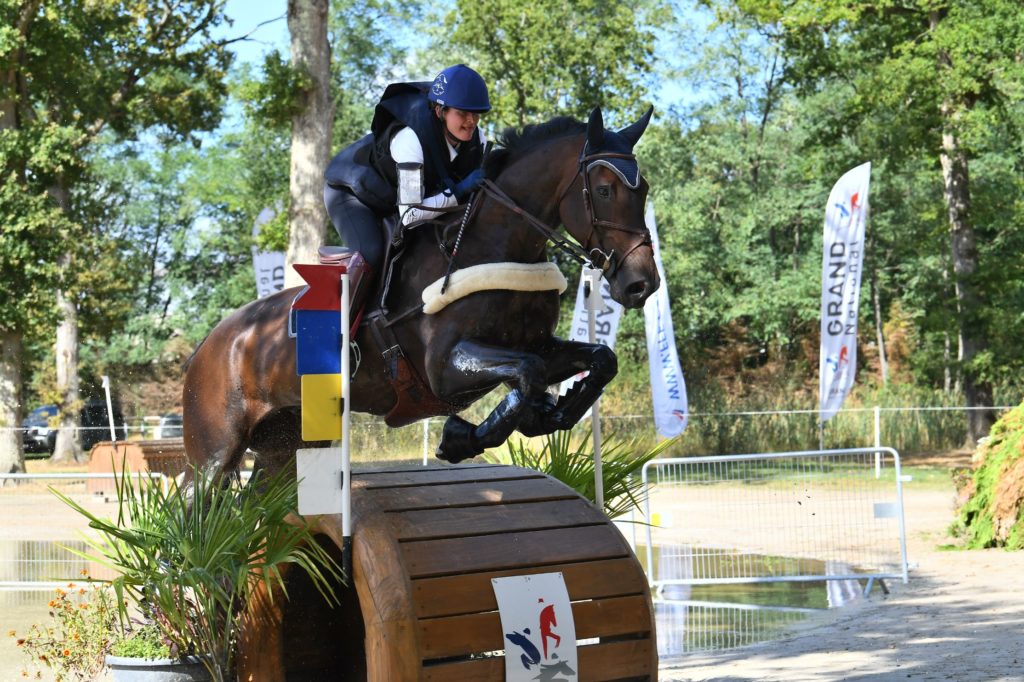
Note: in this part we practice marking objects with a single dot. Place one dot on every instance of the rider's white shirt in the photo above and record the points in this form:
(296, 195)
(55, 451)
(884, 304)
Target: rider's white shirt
(406, 148)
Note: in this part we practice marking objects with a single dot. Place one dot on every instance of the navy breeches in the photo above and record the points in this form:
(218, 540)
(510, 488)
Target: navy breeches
(357, 224)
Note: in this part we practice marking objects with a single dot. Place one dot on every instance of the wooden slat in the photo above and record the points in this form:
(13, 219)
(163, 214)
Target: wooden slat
(511, 550)
(598, 663)
(467, 494)
(440, 523)
(428, 476)
(463, 635)
(473, 593)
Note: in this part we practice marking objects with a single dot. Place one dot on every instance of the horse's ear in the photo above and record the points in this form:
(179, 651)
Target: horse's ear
(633, 132)
(595, 130)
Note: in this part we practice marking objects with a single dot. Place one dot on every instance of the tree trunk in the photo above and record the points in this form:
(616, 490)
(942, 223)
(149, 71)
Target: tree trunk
(311, 134)
(956, 182)
(68, 447)
(12, 454)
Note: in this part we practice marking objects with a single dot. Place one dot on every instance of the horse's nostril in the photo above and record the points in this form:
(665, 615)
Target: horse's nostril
(637, 291)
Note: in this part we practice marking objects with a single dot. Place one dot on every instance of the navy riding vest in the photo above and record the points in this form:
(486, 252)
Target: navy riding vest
(366, 168)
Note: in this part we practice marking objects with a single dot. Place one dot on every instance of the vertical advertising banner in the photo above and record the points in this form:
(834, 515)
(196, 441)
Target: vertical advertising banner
(605, 327)
(842, 259)
(268, 265)
(668, 390)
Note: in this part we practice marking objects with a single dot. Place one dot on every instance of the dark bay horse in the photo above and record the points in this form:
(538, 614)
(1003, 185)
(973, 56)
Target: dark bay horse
(241, 387)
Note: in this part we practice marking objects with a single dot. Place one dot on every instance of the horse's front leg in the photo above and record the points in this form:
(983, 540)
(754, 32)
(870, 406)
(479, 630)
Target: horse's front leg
(472, 367)
(564, 360)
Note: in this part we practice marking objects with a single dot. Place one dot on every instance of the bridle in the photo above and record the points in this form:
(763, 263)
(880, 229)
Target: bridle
(586, 162)
(584, 253)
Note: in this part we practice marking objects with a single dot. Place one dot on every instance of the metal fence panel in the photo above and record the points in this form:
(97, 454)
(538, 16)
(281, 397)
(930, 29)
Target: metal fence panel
(791, 516)
(39, 532)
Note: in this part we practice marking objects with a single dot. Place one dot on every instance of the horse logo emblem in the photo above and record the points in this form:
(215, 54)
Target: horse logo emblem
(843, 359)
(439, 85)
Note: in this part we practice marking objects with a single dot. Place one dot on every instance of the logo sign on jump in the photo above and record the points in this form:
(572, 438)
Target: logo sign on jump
(539, 632)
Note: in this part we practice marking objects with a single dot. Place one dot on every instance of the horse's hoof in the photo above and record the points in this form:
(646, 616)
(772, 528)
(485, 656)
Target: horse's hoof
(535, 420)
(457, 442)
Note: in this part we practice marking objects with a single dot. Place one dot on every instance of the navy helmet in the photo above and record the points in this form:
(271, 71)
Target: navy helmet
(460, 87)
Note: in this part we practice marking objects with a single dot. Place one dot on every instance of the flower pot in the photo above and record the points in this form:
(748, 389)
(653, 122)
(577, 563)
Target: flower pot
(128, 669)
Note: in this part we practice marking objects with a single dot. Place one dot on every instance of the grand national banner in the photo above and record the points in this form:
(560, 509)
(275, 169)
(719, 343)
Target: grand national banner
(605, 327)
(268, 265)
(842, 256)
(668, 390)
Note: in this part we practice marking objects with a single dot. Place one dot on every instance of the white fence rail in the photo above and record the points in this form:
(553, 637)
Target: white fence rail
(38, 531)
(818, 515)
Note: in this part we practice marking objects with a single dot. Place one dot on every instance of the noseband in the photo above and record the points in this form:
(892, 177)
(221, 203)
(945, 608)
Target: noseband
(606, 261)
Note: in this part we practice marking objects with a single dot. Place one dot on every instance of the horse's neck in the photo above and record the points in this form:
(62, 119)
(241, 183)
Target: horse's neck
(536, 184)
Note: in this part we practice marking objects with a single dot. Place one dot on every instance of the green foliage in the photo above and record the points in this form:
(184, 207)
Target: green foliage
(280, 95)
(78, 636)
(545, 58)
(192, 559)
(145, 642)
(993, 516)
(572, 463)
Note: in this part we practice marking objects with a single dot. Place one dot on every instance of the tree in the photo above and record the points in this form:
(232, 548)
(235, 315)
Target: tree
(943, 71)
(546, 58)
(74, 69)
(311, 132)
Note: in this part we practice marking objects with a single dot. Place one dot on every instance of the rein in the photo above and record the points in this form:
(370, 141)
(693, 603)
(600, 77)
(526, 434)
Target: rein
(580, 253)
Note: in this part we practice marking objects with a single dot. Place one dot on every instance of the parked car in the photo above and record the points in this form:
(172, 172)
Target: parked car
(39, 436)
(169, 426)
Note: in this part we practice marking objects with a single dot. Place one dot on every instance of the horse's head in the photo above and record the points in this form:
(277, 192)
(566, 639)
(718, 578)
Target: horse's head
(603, 208)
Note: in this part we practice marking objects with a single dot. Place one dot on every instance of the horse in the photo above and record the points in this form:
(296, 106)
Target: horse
(241, 390)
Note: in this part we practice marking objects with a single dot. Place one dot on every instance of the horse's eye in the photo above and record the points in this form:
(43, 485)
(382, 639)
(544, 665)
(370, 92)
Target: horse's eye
(604, 191)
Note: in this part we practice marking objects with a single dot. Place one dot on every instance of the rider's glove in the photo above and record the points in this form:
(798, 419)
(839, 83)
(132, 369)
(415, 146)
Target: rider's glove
(468, 185)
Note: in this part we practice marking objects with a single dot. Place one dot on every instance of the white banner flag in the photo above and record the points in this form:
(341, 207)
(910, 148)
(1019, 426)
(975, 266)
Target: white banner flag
(842, 256)
(668, 389)
(605, 327)
(269, 265)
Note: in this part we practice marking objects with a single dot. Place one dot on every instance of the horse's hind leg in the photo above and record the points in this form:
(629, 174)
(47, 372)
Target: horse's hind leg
(472, 367)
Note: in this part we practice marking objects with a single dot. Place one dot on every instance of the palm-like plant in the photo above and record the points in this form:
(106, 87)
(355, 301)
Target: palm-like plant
(571, 461)
(192, 561)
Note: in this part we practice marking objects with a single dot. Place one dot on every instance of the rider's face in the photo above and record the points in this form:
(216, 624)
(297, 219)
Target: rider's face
(460, 124)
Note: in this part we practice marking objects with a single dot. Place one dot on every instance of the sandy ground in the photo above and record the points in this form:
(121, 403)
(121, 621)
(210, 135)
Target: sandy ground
(960, 617)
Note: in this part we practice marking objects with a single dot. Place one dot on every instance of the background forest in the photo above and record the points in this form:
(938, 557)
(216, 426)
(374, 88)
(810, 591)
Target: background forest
(137, 150)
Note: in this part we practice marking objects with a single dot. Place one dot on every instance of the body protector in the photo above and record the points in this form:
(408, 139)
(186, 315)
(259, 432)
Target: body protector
(366, 167)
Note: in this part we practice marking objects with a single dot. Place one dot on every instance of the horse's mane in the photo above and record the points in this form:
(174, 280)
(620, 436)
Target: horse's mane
(513, 143)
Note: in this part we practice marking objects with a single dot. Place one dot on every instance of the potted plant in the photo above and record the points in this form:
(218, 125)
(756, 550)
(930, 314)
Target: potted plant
(188, 561)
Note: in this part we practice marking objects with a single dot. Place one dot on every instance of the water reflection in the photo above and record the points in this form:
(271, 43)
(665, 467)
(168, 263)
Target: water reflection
(701, 617)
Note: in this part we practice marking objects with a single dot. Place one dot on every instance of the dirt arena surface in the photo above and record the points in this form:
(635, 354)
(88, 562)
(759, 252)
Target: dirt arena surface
(961, 616)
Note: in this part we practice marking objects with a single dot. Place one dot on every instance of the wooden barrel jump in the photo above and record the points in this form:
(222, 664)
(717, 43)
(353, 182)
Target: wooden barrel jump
(427, 542)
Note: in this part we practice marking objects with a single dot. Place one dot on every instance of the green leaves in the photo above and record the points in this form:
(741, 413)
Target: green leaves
(573, 464)
(546, 58)
(194, 557)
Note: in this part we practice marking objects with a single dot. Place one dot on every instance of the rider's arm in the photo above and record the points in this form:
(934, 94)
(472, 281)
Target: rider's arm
(406, 148)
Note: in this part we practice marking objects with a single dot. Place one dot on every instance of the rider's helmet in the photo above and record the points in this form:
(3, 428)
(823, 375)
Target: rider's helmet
(460, 87)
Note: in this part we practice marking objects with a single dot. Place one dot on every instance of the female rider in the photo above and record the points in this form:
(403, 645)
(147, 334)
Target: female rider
(428, 128)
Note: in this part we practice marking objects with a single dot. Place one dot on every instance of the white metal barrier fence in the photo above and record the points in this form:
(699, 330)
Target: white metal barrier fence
(38, 531)
(818, 515)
